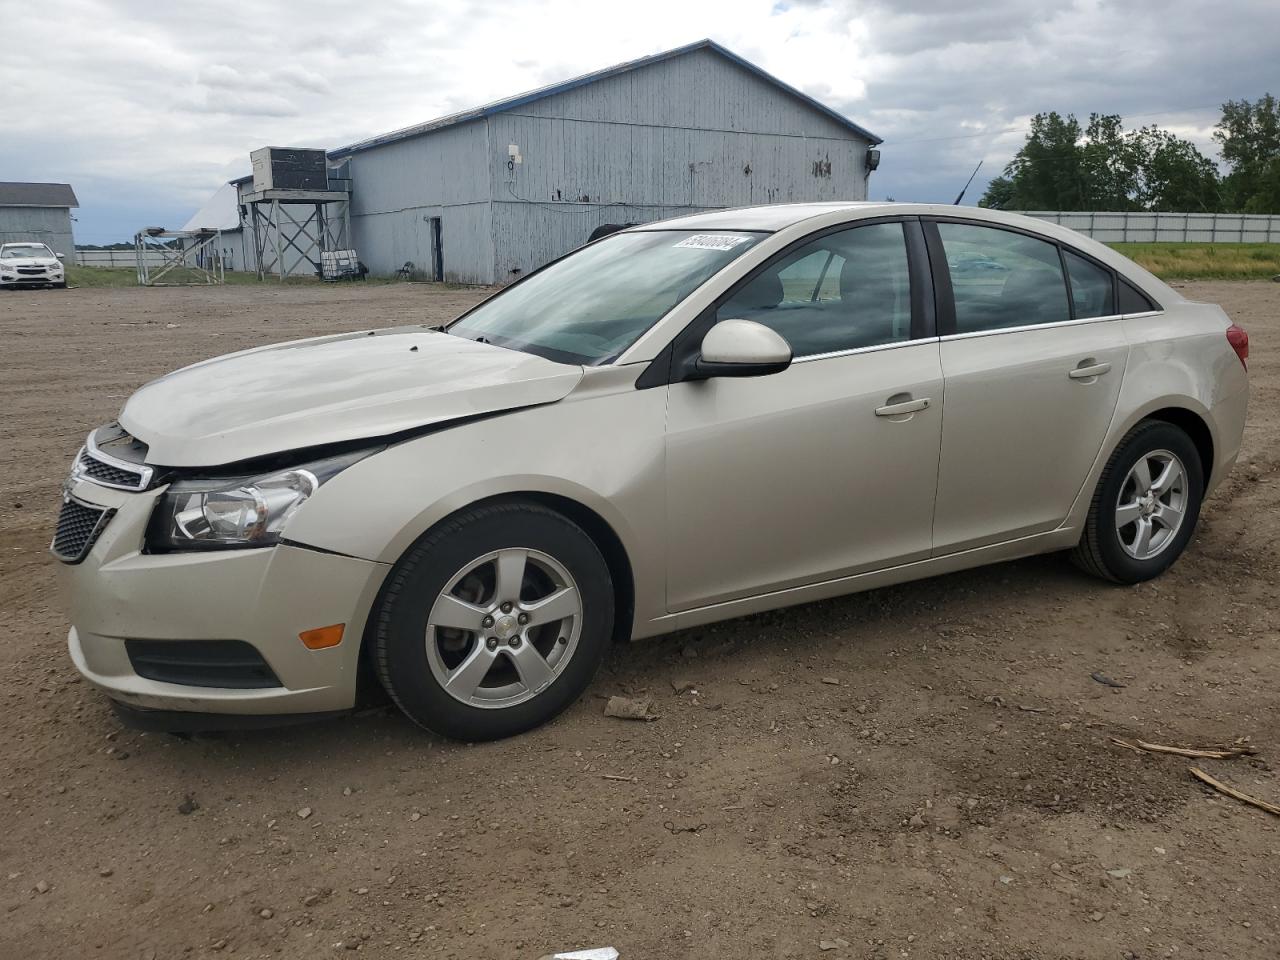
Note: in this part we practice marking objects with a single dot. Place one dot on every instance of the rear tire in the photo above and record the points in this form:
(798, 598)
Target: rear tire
(516, 666)
(1146, 505)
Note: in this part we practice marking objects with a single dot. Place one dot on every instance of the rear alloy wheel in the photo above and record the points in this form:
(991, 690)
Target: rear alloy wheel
(1145, 508)
(494, 622)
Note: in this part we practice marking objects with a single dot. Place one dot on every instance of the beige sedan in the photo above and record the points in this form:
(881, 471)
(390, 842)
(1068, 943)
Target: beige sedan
(680, 423)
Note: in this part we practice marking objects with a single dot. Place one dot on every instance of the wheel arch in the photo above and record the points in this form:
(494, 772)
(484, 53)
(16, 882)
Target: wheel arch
(1195, 427)
(596, 527)
(1181, 411)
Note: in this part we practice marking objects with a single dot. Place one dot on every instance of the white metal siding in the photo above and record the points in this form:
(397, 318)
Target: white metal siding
(51, 225)
(699, 91)
(689, 133)
(399, 187)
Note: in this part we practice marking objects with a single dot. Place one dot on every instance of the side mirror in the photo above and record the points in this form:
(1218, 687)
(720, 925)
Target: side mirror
(60, 256)
(742, 348)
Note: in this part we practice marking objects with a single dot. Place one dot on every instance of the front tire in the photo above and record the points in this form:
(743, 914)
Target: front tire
(494, 622)
(1146, 505)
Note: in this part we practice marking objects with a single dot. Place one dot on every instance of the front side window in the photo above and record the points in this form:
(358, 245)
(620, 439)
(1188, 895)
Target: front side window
(843, 291)
(590, 306)
(1002, 279)
(1091, 287)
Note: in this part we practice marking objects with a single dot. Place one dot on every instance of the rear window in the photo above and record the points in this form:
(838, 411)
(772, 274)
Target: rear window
(1133, 300)
(1092, 292)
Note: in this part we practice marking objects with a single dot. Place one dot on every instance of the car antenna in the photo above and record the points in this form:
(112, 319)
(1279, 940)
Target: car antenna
(966, 184)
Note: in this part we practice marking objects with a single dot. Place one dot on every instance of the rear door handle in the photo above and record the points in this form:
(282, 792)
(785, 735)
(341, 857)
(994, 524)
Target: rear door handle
(906, 406)
(1087, 370)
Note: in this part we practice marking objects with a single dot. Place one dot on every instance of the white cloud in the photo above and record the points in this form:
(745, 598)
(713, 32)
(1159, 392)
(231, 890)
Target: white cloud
(145, 107)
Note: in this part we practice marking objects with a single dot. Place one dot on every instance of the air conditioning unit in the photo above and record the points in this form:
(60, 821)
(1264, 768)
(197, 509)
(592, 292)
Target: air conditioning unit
(289, 168)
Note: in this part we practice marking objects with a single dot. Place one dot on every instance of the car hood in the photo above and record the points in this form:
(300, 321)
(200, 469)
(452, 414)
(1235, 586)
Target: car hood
(329, 389)
(29, 261)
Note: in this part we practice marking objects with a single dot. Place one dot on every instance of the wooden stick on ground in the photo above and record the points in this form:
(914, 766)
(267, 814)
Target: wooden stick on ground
(614, 776)
(1125, 744)
(1187, 751)
(1234, 793)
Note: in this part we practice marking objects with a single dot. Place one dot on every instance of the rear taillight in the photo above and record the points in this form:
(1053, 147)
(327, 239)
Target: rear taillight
(1238, 337)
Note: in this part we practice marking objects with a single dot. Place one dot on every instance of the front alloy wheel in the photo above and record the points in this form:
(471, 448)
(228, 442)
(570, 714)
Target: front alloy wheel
(504, 627)
(493, 622)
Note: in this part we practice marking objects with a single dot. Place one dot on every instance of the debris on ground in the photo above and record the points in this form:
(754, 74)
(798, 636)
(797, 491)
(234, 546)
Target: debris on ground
(630, 708)
(682, 686)
(691, 828)
(1106, 681)
(1138, 746)
(1233, 792)
(189, 805)
(618, 777)
(595, 953)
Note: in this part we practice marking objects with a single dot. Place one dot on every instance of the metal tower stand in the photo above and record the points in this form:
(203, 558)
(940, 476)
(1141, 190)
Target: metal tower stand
(292, 228)
(195, 252)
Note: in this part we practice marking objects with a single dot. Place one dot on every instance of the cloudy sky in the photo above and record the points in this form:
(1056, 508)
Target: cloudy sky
(147, 107)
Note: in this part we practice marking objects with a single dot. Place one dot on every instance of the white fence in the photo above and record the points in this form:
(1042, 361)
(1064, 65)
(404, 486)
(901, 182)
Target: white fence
(116, 258)
(1125, 227)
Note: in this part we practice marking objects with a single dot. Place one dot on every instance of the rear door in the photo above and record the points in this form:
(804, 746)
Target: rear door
(1032, 360)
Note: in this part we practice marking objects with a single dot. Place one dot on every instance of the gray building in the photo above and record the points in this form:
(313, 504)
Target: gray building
(492, 193)
(39, 211)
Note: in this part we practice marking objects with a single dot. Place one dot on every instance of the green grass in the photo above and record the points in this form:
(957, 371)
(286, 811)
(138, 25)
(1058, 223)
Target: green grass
(128, 276)
(1206, 261)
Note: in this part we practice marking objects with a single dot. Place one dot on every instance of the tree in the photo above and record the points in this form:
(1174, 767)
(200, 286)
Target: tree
(1101, 166)
(1175, 176)
(1000, 194)
(1249, 134)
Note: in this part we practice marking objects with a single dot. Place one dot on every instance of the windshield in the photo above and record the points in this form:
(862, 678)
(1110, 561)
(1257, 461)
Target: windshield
(593, 304)
(24, 250)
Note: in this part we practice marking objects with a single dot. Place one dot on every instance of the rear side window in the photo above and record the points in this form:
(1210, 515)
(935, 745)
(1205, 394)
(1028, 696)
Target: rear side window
(843, 291)
(1002, 279)
(1133, 300)
(1092, 291)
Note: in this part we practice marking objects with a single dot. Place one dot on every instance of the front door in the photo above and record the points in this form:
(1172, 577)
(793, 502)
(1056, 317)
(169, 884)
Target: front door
(828, 468)
(1032, 377)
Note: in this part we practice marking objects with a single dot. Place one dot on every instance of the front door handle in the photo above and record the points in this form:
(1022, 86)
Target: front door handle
(902, 407)
(1088, 369)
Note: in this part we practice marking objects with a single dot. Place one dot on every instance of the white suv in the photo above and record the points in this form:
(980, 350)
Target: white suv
(30, 264)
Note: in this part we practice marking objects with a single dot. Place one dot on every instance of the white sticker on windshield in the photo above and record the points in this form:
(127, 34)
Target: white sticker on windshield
(713, 241)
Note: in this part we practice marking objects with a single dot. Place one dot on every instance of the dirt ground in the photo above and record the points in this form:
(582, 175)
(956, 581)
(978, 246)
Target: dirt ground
(917, 772)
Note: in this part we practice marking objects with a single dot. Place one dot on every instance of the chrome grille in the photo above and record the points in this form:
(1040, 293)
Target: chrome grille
(79, 525)
(103, 467)
(108, 474)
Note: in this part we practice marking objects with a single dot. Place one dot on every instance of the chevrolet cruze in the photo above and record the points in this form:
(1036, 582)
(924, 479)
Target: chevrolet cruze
(680, 423)
(30, 264)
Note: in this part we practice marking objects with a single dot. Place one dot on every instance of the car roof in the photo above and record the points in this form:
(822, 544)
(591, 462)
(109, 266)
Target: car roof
(772, 217)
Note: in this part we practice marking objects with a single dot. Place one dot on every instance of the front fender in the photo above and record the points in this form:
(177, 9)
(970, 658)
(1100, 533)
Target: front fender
(602, 451)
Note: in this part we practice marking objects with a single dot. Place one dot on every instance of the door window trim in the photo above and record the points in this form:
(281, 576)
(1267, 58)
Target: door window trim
(674, 362)
(945, 294)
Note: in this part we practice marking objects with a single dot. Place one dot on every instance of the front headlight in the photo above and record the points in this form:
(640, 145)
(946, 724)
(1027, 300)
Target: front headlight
(241, 512)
